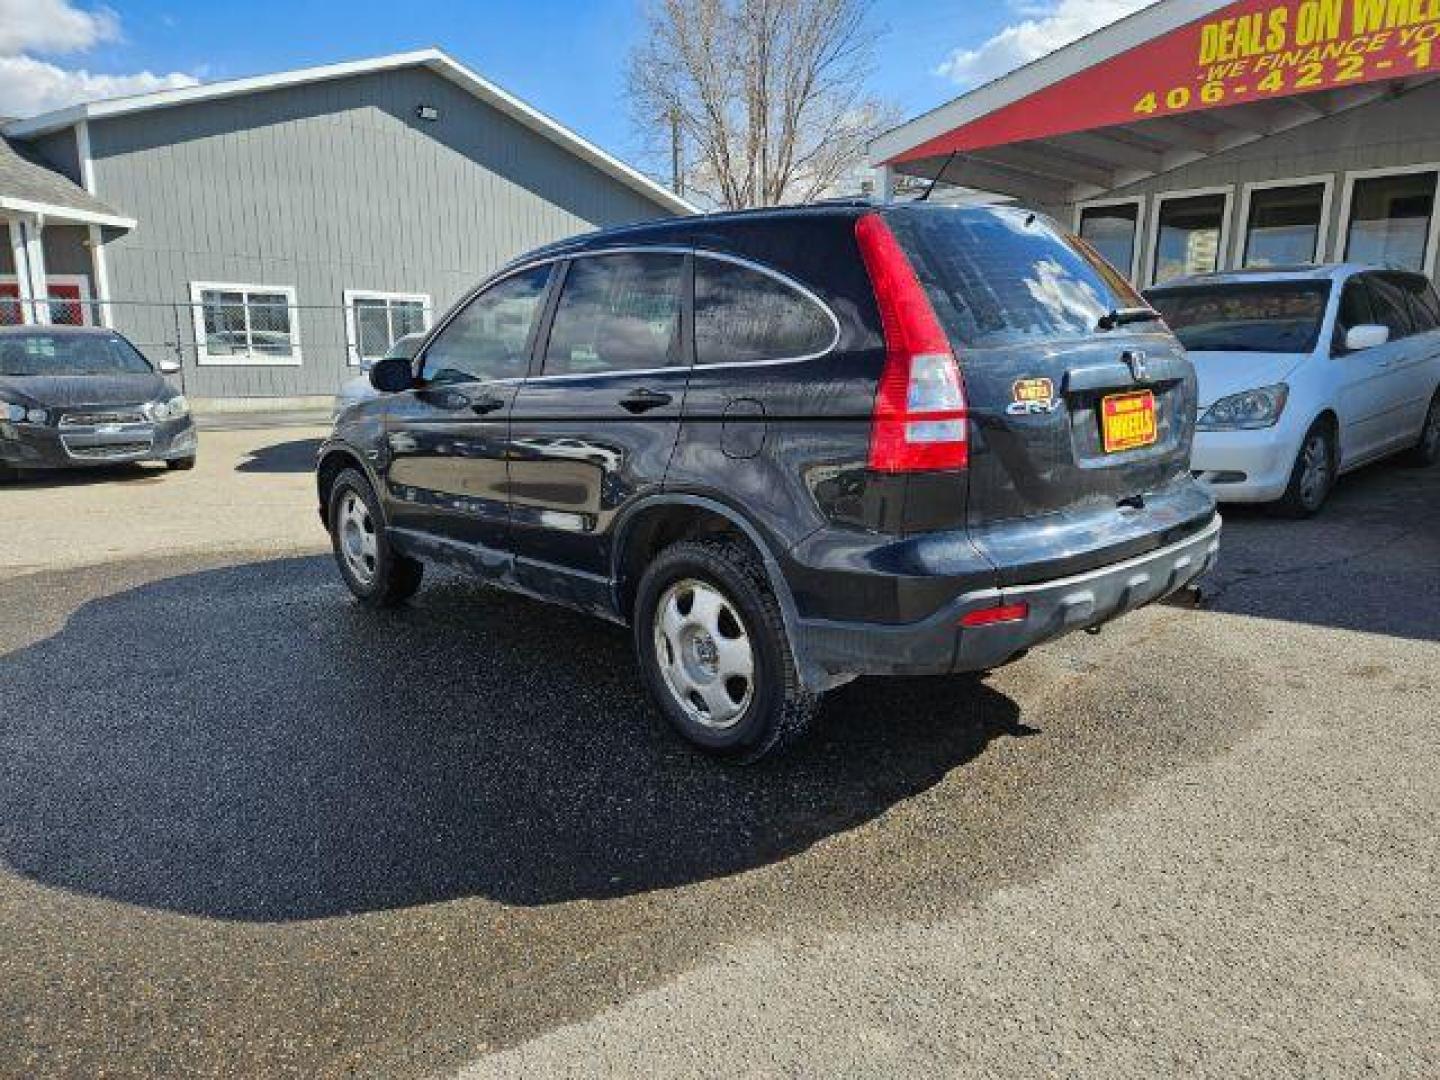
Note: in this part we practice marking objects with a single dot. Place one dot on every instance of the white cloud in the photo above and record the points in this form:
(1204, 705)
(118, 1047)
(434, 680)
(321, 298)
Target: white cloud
(55, 26)
(1043, 28)
(29, 85)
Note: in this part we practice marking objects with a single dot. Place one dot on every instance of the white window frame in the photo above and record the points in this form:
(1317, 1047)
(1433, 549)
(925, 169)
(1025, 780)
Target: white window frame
(197, 310)
(1347, 196)
(1322, 232)
(1141, 224)
(87, 307)
(352, 330)
(1152, 241)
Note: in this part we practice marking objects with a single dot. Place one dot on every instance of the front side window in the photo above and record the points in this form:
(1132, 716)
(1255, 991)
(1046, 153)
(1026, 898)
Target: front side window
(245, 324)
(1112, 231)
(1423, 303)
(377, 320)
(1188, 237)
(744, 316)
(490, 337)
(1390, 220)
(1355, 310)
(1268, 317)
(1392, 309)
(617, 313)
(1284, 225)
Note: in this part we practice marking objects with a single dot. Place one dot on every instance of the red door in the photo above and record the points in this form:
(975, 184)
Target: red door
(67, 307)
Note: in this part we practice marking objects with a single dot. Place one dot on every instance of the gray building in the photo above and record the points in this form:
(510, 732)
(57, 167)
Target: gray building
(1198, 135)
(272, 232)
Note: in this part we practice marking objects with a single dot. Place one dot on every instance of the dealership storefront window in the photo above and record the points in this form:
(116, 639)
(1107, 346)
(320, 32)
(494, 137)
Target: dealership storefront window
(1285, 224)
(1390, 219)
(1190, 234)
(1113, 229)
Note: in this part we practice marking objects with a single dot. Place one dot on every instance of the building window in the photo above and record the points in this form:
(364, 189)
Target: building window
(1190, 234)
(1390, 218)
(245, 324)
(1113, 230)
(374, 321)
(1284, 224)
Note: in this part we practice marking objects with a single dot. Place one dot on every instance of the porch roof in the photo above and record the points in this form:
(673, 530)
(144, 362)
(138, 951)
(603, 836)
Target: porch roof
(27, 186)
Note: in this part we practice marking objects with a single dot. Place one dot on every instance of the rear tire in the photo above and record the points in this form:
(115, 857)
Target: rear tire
(1426, 450)
(378, 575)
(713, 651)
(181, 464)
(1313, 476)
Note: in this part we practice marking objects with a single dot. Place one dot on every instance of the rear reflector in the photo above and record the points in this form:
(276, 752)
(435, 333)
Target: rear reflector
(920, 420)
(991, 615)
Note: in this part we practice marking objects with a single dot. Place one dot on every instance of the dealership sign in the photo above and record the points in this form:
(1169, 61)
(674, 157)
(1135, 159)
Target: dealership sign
(1253, 50)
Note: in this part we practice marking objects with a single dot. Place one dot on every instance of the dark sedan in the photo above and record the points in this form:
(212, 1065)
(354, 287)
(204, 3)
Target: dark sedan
(78, 396)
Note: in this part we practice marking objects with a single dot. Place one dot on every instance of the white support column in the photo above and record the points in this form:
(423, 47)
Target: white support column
(101, 273)
(887, 183)
(20, 255)
(35, 261)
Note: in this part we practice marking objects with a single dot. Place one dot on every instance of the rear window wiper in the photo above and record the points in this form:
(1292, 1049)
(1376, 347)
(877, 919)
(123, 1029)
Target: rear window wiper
(1125, 316)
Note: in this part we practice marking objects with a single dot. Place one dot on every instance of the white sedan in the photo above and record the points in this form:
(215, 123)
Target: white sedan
(1306, 374)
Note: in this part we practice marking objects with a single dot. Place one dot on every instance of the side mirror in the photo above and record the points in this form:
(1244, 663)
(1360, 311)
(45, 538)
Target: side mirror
(392, 375)
(169, 367)
(1366, 336)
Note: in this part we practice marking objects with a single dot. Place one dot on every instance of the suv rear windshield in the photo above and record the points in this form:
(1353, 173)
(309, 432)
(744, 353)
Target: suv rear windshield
(1272, 317)
(1001, 276)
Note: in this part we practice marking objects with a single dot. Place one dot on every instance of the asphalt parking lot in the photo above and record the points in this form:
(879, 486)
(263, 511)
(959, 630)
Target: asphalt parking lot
(247, 828)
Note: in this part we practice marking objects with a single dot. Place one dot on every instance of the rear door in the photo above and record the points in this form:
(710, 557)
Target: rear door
(1418, 363)
(594, 427)
(1067, 417)
(1387, 390)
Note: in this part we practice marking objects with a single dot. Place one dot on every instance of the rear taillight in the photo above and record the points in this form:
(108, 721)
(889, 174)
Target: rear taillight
(920, 416)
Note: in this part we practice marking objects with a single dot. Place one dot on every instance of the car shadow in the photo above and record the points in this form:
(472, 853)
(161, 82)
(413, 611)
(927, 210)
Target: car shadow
(295, 456)
(47, 479)
(248, 743)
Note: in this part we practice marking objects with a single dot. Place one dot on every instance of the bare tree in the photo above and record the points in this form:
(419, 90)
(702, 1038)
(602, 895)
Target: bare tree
(766, 98)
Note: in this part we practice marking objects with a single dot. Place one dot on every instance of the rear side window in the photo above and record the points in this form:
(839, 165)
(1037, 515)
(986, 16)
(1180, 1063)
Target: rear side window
(1006, 277)
(744, 316)
(1391, 308)
(1421, 295)
(617, 313)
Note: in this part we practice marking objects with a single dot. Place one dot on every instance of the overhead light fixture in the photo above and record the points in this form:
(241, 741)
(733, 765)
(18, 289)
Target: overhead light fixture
(427, 112)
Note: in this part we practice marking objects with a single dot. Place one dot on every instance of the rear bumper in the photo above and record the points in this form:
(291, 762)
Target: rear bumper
(939, 645)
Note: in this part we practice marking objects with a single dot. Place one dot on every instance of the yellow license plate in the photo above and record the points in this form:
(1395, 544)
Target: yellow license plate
(1127, 421)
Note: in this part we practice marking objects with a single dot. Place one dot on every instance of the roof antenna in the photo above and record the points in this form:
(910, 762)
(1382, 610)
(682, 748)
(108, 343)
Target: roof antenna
(935, 183)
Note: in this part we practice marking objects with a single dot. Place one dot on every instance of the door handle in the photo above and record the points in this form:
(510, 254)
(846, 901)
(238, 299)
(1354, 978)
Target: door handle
(643, 400)
(486, 403)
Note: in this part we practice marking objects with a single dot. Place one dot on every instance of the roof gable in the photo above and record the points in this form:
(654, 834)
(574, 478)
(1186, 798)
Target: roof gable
(433, 59)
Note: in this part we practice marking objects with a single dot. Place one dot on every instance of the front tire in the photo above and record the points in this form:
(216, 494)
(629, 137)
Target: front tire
(181, 464)
(1313, 476)
(1426, 450)
(379, 576)
(714, 654)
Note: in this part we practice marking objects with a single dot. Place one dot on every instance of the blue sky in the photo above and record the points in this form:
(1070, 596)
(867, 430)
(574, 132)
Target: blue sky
(566, 57)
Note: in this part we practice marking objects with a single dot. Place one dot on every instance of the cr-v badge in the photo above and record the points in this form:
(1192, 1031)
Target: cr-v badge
(1033, 397)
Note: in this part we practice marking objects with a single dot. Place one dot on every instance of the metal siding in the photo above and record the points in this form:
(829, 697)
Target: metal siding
(333, 186)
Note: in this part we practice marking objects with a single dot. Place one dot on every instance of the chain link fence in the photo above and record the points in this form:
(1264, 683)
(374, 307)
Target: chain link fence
(243, 342)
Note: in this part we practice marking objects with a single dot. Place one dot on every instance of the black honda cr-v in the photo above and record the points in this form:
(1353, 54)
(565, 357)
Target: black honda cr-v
(789, 447)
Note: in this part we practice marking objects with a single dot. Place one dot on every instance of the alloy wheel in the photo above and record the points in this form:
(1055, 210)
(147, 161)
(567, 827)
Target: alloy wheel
(705, 654)
(1314, 471)
(357, 538)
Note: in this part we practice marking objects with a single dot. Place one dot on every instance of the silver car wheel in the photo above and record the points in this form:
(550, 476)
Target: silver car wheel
(705, 654)
(1314, 470)
(357, 538)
